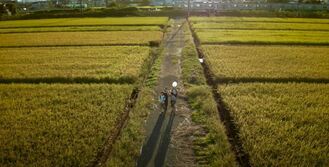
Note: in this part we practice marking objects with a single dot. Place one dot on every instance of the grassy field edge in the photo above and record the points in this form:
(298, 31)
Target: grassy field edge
(211, 148)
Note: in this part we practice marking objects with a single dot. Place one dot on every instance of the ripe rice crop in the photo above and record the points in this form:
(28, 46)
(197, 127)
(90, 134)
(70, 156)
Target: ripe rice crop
(273, 62)
(263, 37)
(99, 62)
(84, 28)
(281, 124)
(80, 38)
(259, 19)
(62, 125)
(261, 26)
(85, 22)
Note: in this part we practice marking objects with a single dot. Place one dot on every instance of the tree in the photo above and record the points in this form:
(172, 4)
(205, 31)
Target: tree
(11, 7)
(146, 2)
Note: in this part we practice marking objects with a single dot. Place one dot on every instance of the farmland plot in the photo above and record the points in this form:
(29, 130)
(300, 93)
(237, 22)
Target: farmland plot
(80, 38)
(79, 28)
(62, 125)
(262, 26)
(268, 62)
(133, 21)
(281, 124)
(93, 63)
(259, 19)
(218, 36)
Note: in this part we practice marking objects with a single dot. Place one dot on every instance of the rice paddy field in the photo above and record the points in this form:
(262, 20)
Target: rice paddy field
(261, 31)
(281, 124)
(220, 36)
(80, 38)
(66, 125)
(67, 22)
(262, 26)
(274, 81)
(242, 62)
(79, 28)
(66, 84)
(93, 63)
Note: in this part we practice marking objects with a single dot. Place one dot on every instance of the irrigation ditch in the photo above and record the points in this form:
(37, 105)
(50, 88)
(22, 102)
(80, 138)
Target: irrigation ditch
(232, 130)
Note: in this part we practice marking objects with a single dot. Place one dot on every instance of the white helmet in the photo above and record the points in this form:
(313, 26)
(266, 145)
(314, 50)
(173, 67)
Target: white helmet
(174, 84)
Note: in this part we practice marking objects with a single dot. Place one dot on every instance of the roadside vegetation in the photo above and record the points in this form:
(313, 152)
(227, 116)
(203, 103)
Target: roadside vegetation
(127, 149)
(211, 147)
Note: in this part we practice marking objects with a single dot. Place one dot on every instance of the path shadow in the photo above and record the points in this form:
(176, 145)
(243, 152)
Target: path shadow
(164, 143)
(149, 147)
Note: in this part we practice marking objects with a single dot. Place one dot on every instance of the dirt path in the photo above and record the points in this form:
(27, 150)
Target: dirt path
(170, 134)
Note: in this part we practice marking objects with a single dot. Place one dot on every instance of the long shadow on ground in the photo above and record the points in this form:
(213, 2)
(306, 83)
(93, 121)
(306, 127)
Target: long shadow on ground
(149, 147)
(163, 148)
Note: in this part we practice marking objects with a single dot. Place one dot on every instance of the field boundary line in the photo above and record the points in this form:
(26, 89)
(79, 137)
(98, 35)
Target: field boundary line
(226, 118)
(260, 29)
(256, 21)
(40, 46)
(22, 32)
(266, 43)
(97, 25)
(64, 80)
(227, 80)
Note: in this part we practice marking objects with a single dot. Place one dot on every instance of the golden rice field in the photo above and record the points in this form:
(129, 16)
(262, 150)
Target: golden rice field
(282, 115)
(222, 36)
(62, 124)
(133, 21)
(69, 124)
(250, 30)
(259, 19)
(238, 62)
(281, 124)
(80, 38)
(262, 26)
(80, 28)
(98, 62)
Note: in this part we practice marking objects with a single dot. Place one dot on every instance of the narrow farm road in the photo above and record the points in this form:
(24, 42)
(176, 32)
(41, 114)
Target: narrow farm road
(170, 134)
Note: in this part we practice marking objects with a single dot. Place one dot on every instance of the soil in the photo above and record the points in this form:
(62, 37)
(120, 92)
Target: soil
(169, 140)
